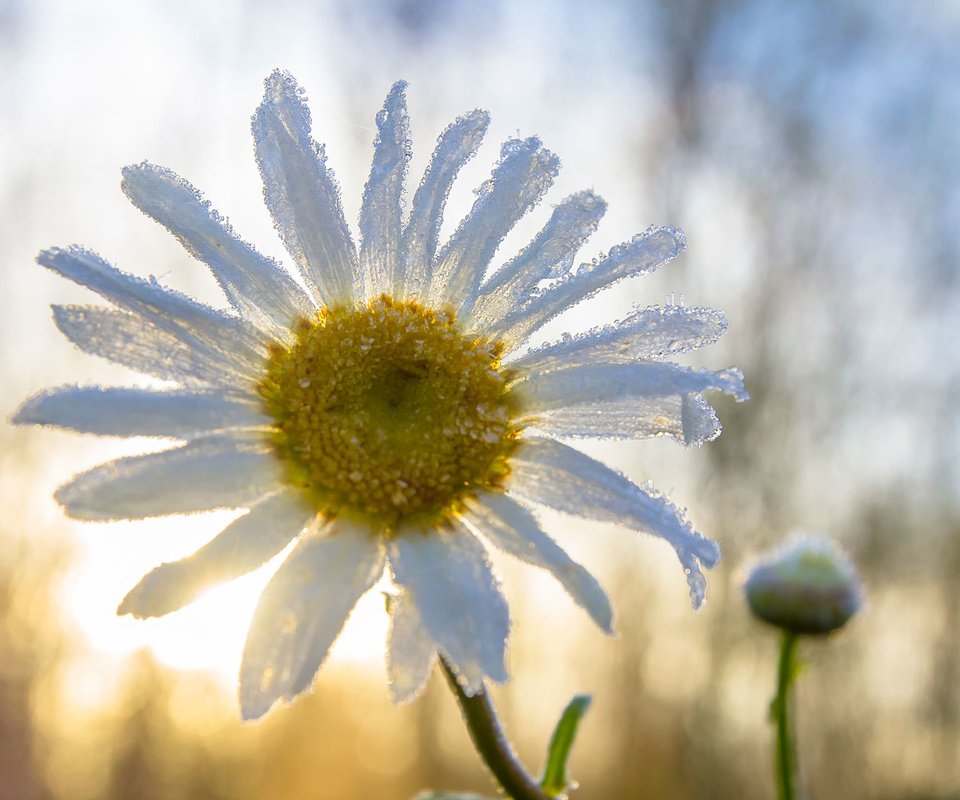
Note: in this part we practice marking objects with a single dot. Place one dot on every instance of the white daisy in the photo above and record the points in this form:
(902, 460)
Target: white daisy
(377, 407)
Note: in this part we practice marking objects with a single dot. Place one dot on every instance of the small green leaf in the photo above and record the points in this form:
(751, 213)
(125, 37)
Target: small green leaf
(555, 781)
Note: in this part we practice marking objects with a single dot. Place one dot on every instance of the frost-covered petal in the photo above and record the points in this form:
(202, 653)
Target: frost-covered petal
(302, 610)
(651, 332)
(644, 253)
(410, 652)
(447, 573)
(255, 285)
(245, 544)
(514, 529)
(129, 340)
(219, 471)
(599, 383)
(301, 192)
(380, 212)
(456, 145)
(555, 475)
(229, 339)
(524, 173)
(131, 411)
(687, 418)
(549, 256)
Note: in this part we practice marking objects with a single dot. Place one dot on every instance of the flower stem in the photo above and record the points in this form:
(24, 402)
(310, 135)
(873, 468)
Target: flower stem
(491, 742)
(786, 759)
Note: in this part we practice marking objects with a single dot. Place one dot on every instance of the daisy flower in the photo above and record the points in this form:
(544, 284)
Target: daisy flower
(376, 406)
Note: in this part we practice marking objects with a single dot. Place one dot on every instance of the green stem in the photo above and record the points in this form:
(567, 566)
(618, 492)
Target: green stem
(786, 760)
(491, 742)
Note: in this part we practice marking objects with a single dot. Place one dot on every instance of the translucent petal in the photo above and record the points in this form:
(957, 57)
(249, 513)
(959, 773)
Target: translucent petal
(245, 544)
(219, 471)
(128, 411)
(448, 575)
(549, 255)
(524, 172)
(455, 147)
(644, 253)
(129, 340)
(301, 192)
(380, 213)
(687, 418)
(651, 332)
(514, 529)
(255, 285)
(302, 610)
(600, 383)
(228, 339)
(410, 653)
(550, 473)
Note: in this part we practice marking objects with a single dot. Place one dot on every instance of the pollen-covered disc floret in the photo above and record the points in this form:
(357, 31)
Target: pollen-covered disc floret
(389, 411)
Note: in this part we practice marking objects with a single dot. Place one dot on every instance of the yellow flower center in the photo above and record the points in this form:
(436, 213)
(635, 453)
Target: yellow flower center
(389, 412)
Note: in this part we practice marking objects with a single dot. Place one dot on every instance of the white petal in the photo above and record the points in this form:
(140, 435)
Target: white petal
(547, 472)
(245, 544)
(447, 573)
(687, 418)
(455, 147)
(410, 653)
(515, 530)
(644, 253)
(600, 383)
(255, 285)
(129, 340)
(549, 255)
(646, 333)
(302, 610)
(228, 339)
(524, 172)
(380, 213)
(219, 471)
(129, 411)
(301, 192)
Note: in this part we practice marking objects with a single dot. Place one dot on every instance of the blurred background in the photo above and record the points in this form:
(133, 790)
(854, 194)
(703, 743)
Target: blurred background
(811, 152)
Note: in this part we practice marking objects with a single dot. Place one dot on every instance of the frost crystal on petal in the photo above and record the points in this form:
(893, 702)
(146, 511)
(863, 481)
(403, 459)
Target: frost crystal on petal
(301, 192)
(644, 253)
(459, 602)
(524, 173)
(560, 477)
(645, 333)
(549, 256)
(456, 145)
(255, 285)
(380, 213)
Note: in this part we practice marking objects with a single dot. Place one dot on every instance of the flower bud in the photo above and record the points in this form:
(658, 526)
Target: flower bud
(806, 586)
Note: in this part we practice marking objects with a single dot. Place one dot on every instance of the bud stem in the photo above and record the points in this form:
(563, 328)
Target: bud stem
(786, 756)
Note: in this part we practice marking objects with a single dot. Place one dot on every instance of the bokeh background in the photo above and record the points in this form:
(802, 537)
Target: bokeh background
(811, 151)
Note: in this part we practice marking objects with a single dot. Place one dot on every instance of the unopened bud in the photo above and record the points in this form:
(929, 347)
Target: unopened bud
(806, 586)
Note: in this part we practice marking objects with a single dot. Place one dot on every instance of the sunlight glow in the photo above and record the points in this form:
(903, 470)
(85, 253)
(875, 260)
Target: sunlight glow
(208, 634)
